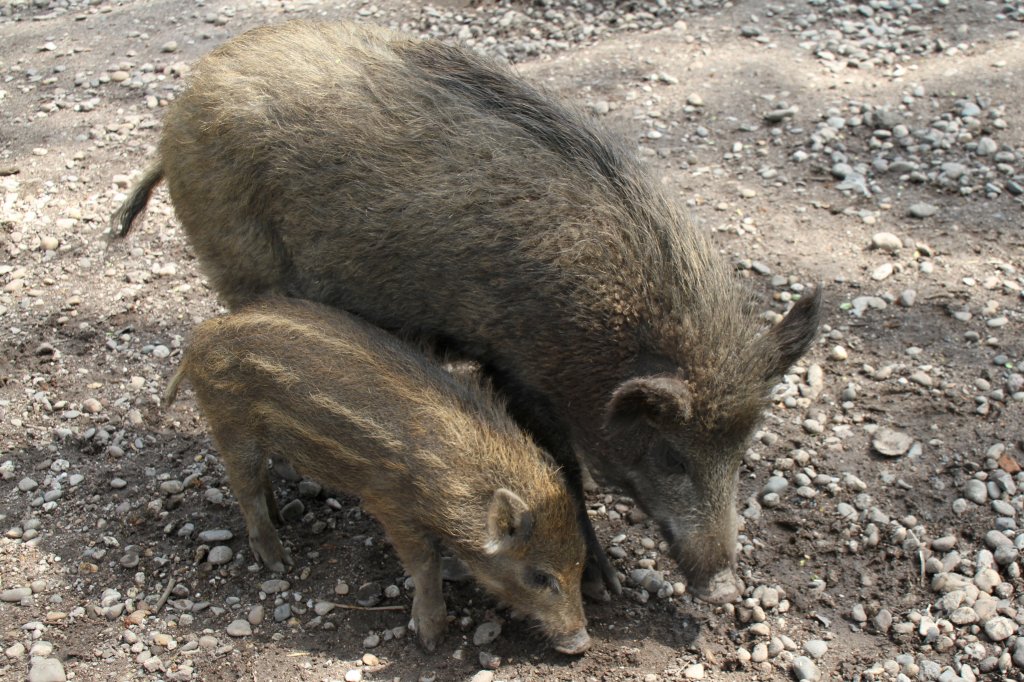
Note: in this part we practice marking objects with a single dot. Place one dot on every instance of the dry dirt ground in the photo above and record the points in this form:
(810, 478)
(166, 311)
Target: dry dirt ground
(870, 566)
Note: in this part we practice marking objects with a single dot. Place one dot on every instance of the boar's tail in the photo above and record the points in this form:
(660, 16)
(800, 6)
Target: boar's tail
(172, 388)
(121, 221)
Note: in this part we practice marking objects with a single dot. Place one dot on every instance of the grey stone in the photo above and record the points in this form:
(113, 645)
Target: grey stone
(815, 648)
(211, 536)
(239, 628)
(274, 586)
(804, 669)
(46, 670)
(15, 594)
(886, 241)
(891, 443)
(220, 555)
(923, 210)
(486, 633)
(1000, 628)
(976, 491)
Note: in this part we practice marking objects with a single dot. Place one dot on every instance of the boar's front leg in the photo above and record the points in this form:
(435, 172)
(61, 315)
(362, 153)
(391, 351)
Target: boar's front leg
(599, 573)
(420, 556)
(534, 412)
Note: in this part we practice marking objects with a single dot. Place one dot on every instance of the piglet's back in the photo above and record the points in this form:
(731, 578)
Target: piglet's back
(358, 409)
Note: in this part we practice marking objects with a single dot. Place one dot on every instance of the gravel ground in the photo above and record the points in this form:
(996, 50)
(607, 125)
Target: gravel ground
(873, 146)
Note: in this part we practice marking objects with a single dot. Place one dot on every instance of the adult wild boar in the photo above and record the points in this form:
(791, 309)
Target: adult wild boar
(432, 191)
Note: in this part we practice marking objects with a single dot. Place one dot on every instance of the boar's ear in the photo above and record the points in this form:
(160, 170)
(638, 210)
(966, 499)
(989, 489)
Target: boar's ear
(663, 401)
(787, 341)
(509, 521)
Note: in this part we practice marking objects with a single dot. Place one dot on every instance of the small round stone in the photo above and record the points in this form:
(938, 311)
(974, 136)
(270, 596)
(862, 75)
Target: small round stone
(804, 669)
(486, 633)
(211, 536)
(1000, 628)
(274, 585)
(256, 614)
(815, 648)
(923, 210)
(891, 443)
(220, 555)
(46, 670)
(886, 241)
(239, 628)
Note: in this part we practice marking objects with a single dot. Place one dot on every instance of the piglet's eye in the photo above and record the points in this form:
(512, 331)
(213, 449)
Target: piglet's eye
(542, 580)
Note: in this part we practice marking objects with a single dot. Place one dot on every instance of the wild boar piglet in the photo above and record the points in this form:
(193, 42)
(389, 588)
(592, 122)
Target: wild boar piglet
(435, 459)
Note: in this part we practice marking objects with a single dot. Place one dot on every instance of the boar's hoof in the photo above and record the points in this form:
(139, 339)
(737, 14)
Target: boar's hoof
(594, 590)
(428, 637)
(275, 557)
(284, 469)
(574, 644)
(723, 587)
(429, 629)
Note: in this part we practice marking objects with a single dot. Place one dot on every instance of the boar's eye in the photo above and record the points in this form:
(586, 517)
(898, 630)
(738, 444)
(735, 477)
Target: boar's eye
(542, 580)
(669, 460)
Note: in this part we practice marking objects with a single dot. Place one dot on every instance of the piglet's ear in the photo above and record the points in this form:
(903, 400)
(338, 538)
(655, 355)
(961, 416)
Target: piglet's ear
(786, 342)
(664, 402)
(509, 521)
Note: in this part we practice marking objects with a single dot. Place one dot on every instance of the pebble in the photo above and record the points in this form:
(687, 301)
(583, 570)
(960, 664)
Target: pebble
(805, 669)
(976, 491)
(923, 210)
(353, 675)
(882, 272)
(239, 628)
(27, 485)
(256, 615)
(483, 676)
(999, 628)
(891, 443)
(372, 641)
(694, 672)
(815, 648)
(275, 585)
(220, 555)
(46, 670)
(883, 620)
(211, 536)
(15, 594)
(886, 241)
(486, 633)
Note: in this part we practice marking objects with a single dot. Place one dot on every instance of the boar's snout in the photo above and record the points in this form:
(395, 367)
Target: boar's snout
(574, 644)
(708, 561)
(721, 588)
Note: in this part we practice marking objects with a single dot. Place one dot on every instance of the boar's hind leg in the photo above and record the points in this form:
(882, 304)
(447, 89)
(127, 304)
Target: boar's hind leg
(420, 556)
(250, 482)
